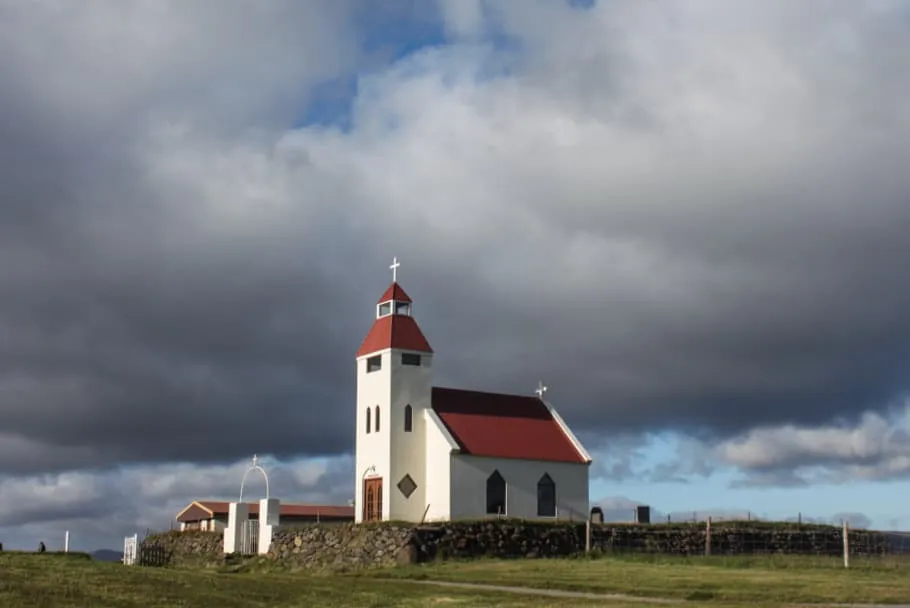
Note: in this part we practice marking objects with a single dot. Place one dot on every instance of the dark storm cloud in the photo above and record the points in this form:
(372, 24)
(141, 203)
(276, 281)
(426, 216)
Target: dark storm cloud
(673, 238)
(135, 326)
(735, 263)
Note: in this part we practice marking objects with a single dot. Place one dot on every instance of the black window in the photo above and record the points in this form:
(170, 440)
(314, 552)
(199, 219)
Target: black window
(368, 420)
(402, 308)
(408, 418)
(546, 497)
(377, 418)
(496, 494)
(374, 364)
(410, 359)
(385, 308)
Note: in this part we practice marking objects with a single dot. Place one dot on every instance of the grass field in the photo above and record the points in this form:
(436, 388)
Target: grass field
(769, 579)
(68, 581)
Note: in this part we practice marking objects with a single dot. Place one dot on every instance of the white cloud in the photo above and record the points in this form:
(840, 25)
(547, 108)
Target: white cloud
(687, 216)
(876, 447)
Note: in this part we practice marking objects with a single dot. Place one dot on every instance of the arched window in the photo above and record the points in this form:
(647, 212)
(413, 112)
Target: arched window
(408, 418)
(496, 494)
(377, 418)
(368, 420)
(546, 497)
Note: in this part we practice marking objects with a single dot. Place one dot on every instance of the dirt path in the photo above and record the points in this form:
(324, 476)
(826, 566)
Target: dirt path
(613, 597)
(578, 595)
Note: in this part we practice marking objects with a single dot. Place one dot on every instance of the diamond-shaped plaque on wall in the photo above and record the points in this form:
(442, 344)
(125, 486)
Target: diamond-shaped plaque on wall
(407, 486)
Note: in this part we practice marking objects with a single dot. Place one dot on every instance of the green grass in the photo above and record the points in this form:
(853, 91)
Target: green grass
(57, 580)
(772, 579)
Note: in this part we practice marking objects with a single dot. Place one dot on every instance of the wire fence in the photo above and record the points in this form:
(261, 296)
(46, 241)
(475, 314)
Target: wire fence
(735, 537)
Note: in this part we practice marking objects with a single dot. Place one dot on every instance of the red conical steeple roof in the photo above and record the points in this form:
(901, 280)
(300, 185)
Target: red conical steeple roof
(394, 330)
(395, 292)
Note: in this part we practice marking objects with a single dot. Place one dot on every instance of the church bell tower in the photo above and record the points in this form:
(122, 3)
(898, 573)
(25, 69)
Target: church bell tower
(394, 387)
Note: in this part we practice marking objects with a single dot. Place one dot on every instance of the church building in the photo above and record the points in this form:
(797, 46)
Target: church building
(426, 453)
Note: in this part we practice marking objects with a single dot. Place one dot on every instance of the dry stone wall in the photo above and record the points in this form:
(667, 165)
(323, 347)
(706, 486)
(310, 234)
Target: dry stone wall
(188, 548)
(341, 546)
(348, 546)
(513, 539)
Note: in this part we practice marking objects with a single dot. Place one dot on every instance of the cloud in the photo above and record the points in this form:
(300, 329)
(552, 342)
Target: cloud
(99, 508)
(149, 250)
(877, 448)
(676, 238)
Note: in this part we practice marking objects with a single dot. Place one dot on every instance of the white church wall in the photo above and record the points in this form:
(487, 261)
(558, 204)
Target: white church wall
(469, 485)
(410, 385)
(372, 450)
(438, 454)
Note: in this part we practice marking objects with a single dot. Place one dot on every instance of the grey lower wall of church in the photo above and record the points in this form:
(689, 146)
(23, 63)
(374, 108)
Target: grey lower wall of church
(469, 483)
(369, 545)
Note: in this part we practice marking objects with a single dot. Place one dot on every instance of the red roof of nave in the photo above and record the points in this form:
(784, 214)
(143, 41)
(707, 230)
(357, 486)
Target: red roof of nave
(503, 426)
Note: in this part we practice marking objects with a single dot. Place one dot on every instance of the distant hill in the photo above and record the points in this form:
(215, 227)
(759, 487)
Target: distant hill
(107, 555)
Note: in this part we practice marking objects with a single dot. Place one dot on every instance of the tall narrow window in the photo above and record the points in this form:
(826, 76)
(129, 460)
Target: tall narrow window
(408, 418)
(496, 494)
(546, 497)
(377, 418)
(369, 410)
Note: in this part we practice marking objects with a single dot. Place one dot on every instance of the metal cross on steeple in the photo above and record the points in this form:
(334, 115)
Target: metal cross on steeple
(394, 269)
(541, 389)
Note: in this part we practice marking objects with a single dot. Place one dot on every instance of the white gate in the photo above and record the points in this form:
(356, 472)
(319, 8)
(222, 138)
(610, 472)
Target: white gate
(249, 537)
(130, 549)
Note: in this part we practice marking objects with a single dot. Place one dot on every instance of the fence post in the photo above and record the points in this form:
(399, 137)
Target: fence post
(846, 545)
(708, 536)
(66, 542)
(588, 536)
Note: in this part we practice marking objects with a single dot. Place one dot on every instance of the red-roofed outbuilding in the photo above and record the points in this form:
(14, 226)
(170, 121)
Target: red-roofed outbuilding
(212, 515)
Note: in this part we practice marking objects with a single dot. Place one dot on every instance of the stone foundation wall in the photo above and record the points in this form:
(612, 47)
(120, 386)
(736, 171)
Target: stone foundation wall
(512, 539)
(349, 546)
(340, 546)
(175, 548)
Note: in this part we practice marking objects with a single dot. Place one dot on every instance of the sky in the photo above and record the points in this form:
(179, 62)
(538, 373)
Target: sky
(688, 218)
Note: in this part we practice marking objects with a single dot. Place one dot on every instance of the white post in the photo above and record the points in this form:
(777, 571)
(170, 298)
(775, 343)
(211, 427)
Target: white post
(66, 542)
(846, 545)
(237, 514)
(708, 536)
(269, 516)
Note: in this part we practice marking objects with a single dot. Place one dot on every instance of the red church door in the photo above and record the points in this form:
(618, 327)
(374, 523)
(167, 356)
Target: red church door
(372, 499)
